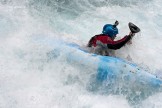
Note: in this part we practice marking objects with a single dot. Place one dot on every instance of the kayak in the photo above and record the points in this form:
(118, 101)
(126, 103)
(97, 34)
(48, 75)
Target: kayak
(116, 76)
(110, 75)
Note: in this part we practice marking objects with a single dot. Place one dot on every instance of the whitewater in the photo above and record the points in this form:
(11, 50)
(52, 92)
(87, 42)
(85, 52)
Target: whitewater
(33, 74)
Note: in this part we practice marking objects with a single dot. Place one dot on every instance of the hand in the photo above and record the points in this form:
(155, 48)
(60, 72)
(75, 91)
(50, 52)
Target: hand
(131, 34)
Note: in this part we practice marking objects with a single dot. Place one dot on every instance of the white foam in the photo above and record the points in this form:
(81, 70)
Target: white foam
(29, 79)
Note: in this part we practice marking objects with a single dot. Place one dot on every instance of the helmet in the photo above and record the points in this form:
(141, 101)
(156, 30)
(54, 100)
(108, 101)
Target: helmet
(110, 30)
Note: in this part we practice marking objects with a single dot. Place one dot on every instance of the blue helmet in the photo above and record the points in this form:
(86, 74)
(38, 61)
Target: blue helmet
(110, 30)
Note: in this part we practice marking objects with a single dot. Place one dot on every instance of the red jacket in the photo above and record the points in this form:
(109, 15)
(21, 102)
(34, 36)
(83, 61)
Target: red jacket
(111, 44)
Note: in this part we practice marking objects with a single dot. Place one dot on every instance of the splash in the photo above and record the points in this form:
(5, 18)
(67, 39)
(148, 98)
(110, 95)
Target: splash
(33, 75)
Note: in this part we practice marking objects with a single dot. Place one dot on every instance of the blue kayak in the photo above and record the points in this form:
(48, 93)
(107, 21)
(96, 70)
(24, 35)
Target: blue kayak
(111, 75)
(116, 76)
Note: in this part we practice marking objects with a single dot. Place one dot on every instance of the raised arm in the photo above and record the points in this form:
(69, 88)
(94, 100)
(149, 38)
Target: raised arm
(120, 43)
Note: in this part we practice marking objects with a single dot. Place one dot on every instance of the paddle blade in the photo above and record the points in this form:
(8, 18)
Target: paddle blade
(133, 28)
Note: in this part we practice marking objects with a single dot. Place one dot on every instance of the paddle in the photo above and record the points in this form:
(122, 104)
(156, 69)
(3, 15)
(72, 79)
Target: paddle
(133, 28)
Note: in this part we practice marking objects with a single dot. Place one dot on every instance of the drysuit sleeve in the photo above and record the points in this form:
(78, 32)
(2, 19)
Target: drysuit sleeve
(90, 42)
(118, 44)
